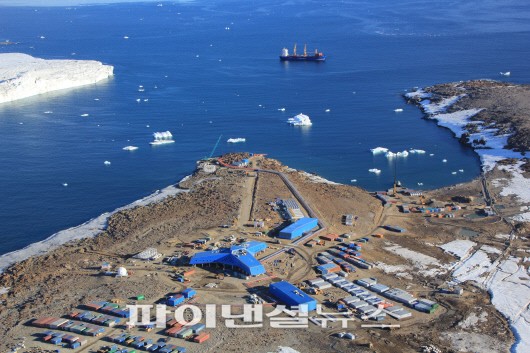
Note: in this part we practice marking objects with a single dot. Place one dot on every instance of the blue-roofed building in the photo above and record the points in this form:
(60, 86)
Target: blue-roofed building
(240, 257)
(298, 228)
(292, 296)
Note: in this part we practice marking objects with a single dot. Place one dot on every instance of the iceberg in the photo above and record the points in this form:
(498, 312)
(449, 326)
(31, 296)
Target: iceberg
(236, 140)
(375, 171)
(23, 76)
(417, 151)
(130, 148)
(378, 150)
(391, 154)
(300, 120)
(162, 138)
(106, 162)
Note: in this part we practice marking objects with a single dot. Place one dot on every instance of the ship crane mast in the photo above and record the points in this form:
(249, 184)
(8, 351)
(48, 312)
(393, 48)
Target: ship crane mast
(294, 49)
(305, 49)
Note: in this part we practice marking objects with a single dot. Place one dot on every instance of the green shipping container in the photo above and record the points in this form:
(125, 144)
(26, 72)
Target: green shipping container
(140, 297)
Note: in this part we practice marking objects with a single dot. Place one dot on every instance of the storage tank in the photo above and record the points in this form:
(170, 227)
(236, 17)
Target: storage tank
(122, 272)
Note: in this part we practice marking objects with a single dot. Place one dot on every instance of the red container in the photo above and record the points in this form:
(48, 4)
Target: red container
(200, 338)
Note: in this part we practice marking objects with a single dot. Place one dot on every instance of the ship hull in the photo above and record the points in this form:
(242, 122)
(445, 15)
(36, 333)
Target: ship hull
(302, 58)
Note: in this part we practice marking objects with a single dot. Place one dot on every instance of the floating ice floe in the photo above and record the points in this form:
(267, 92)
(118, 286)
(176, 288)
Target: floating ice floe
(420, 184)
(125, 37)
(141, 89)
(84, 115)
(431, 154)
(236, 140)
(106, 162)
(48, 112)
(454, 173)
(96, 99)
(398, 110)
(138, 100)
(353, 181)
(391, 154)
(300, 120)
(327, 110)
(130, 148)
(146, 100)
(378, 150)
(375, 171)
(162, 138)
(42, 37)
(417, 151)
(461, 170)
(507, 73)
(281, 109)
(147, 125)
(444, 160)
(65, 184)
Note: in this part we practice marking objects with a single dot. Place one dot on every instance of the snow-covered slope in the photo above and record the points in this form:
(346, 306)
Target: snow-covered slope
(23, 76)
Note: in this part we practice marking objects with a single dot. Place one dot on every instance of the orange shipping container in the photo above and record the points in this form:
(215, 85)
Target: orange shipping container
(201, 337)
(329, 237)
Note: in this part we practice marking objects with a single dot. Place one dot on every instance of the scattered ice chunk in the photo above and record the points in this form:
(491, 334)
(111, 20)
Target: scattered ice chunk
(444, 160)
(211, 122)
(125, 37)
(327, 110)
(454, 173)
(461, 170)
(431, 154)
(420, 184)
(130, 148)
(106, 162)
(507, 73)
(417, 151)
(65, 184)
(138, 100)
(398, 110)
(375, 171)
(84, 115)
(147, 126)
(96, 99)
(195, 56)
(146, 100)
(353, 180)
(21, 123)
(236, 140)
(141, 89)
(42, 37)
(227, 28)
(281, 109)
(48, 112)
(378, 150)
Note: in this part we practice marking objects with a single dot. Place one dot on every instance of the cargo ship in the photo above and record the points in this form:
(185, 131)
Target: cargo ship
(317, 56)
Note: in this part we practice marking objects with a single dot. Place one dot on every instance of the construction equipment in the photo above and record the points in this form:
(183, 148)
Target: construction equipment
(313, 291)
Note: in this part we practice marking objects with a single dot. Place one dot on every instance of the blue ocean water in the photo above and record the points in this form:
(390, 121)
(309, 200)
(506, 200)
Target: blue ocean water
(213, 69)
